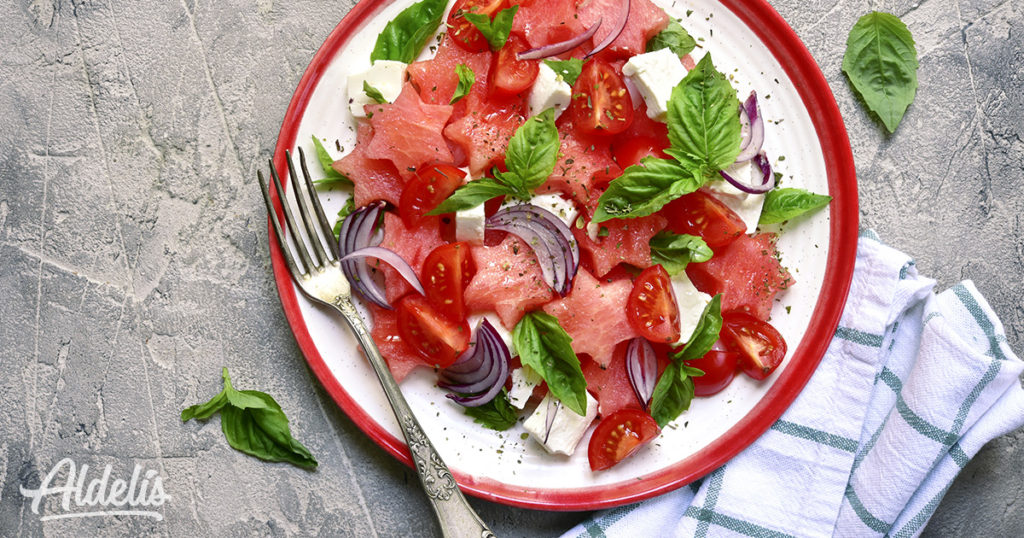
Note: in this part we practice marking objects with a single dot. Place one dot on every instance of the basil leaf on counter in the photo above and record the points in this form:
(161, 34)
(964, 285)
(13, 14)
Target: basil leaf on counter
(673, 393)
(496, 31)
(497, 414)
(703, 125)
(404, 36)
(466, 79)
(569, 69)
(881, 63)
(675, 251)
(331, 176)
(705, 334)
(644, 188)
(373, 93)
(471, 195)
(253, 423)
(545, 347)
(532, 153)
(783, 204)
(675, 38)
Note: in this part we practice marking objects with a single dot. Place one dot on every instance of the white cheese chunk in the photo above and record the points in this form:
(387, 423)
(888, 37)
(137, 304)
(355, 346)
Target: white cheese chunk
(549, 91)
(655, 74)
(747, 206)
(691, 303)
(523, 382)
(474, 319)
(562, 208)
(593, 229)
(469, 225)
(567, 428)
(385, 75)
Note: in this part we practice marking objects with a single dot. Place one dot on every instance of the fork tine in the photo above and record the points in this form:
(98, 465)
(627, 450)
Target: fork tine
(302, 200)
(326, 228)
(289, 261)
(300, 245)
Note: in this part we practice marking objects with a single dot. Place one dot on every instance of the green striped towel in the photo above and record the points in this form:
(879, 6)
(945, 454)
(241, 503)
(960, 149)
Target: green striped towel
(911, 387)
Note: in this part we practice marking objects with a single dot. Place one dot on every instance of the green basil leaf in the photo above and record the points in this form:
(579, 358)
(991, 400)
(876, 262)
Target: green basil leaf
(205, 410)
(675, 251)
(532, 153)
(496, 31)
(783, 204)
(705, 334)
(675, 38)
(672, 395)
(644, 188)
(497, 414)
(331, 176)
(544, 346)
(569, 69)
(471, 195)
(345, 210)
(466, 79)
(404, 36)
(373, 93)
(881, 63)
(703, 122)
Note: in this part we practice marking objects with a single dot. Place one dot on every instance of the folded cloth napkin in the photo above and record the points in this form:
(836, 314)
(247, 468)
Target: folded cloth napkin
(911, 387)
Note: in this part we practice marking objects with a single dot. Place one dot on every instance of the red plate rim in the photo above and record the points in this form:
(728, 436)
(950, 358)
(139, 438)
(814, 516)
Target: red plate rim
(817, 97)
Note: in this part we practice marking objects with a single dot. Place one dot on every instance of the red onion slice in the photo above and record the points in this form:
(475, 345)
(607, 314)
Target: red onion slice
(549, 237)
(766, 184)
(357, 233)
(553, 49)
(623, 17)
(554, 405)
(642, 369)
(479, 385)
(391, 258)
(752, 143)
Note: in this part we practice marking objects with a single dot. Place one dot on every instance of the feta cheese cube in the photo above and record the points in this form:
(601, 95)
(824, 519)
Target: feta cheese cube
(691, 303)
(523, 382)
(549, 91)
(747, 206)
(385, 75)
(567, 428)
(562, 208)
(593, 230)
(655, 74)
(469, 225)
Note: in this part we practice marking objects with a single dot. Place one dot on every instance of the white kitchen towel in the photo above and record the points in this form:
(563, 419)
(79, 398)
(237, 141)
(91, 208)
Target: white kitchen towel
(912, 386)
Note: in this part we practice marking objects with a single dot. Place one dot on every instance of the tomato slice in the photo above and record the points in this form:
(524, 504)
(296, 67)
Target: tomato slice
(760, 346)
(600, 101)
(651, 308)
(431, 185)
(701, 214)
(463, 32)
(618, 435)
(719, 369)
(510, 75)
(631, 150)
(436, 338)
(446, 273)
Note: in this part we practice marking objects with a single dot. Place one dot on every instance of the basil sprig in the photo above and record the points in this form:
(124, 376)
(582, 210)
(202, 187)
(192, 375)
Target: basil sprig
(466, 79)
(331, 177)
(530, 158)
(783, 204)
(544, 346)
(675, 38)
(675, 251)
(253, 423)
(496, 31)
(705, 334)
(497, 414)
(404, 36)
(674, 390)
(704, 133)
(373, 93)
(881, 63)
(569, 69)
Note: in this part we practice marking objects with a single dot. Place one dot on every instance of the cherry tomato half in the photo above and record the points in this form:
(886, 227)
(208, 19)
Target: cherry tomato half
(463, 32)
(446, 273)
(701, 214)
(760, 346)
(600, 101)
(508, 74)
(719, 369)
(651, 308)
(436, 338)
(631, 150)
(618, 435)
(431, 185)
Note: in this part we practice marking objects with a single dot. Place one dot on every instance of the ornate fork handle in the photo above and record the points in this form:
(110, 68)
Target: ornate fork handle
(457, 518)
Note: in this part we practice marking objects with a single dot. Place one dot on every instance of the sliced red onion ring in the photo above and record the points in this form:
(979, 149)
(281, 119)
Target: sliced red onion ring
(357, 233)
(642, 369)
(550, 239)
(623, 17)
(391, 258)
(766, 184)
(750, 144)
(553, 49)
(554, 406)
(481, 383)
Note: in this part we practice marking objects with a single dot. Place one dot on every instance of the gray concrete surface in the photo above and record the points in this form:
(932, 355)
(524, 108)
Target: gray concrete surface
(133, 251)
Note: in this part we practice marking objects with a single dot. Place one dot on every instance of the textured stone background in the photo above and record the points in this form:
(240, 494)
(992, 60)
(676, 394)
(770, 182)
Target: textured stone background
(133, 251)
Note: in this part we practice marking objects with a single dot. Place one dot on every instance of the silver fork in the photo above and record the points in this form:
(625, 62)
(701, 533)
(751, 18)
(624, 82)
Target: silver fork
(320, 278)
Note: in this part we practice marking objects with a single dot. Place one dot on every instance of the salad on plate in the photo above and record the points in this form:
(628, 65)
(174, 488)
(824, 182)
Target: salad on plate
(556, 206)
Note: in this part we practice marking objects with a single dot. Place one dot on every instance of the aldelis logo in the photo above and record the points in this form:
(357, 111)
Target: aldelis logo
(117, 497)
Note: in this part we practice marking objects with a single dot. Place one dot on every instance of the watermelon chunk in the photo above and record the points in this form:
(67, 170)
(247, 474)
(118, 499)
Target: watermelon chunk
(746, 272)
(436, 78)
(483, 134)
(644, 22)
(408, 132)
(543, 22)
(582, 162)
(401, 358)
(508, 281)
(627, 241)
(372, 179)
(594, 315)
(413, 245)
